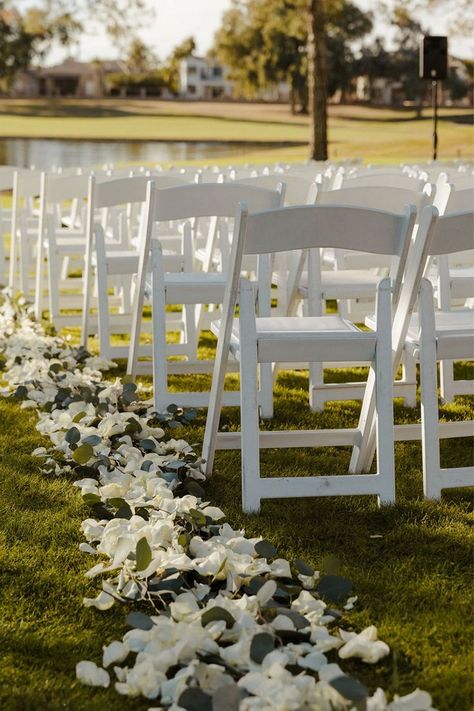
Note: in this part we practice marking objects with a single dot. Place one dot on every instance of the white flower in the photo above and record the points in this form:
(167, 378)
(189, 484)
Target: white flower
(103, 601)
(416, 701)
(114, 652)
(364, 645)
(92, 675)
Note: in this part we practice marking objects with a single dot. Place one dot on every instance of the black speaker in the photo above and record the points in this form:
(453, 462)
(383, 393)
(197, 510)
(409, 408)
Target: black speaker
(434, 58)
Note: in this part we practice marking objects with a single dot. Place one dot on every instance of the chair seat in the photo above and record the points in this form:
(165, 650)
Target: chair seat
(121, 261)
(311, 338)
(71, 245)
(192, 287)
(454, 334)
(345, 284)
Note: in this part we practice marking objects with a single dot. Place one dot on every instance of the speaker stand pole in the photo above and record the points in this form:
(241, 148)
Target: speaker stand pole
(434, 100)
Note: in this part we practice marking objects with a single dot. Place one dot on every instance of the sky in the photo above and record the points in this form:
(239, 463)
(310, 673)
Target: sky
(174, 20)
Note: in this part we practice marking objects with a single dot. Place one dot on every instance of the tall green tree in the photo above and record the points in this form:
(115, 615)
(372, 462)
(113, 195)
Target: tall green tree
(24, 38)
(264, 42)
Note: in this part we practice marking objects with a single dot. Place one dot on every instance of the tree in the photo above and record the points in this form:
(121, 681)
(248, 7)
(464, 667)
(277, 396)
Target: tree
(317, 80)
(26, 37)
(264, 42)
(171, 68)
(140, 58)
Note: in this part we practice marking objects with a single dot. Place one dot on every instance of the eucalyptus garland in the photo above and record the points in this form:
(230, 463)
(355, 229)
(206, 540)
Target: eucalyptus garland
(229, 624)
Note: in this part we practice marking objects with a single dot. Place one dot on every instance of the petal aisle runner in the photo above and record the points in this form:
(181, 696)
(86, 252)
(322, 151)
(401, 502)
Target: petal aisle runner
(230, 625)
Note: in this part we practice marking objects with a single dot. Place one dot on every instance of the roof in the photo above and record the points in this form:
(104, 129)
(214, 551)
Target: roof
(72, 68)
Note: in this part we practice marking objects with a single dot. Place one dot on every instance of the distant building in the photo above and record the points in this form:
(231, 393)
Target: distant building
(200, 78)
(379, 91)
(71, 78)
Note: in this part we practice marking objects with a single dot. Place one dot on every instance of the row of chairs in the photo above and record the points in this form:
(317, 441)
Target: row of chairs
(179, 243)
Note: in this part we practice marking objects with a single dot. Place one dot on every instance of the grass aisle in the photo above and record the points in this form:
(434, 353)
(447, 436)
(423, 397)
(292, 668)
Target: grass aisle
(413, 580)
(44, 628)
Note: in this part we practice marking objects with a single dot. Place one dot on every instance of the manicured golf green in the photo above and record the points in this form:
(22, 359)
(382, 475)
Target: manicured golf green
(373, 134)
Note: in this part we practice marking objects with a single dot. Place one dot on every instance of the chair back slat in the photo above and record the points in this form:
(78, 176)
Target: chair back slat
(339, 226)
(378, 197)
(454, 233)
(120, 191)
(60, 188)
(211, 200)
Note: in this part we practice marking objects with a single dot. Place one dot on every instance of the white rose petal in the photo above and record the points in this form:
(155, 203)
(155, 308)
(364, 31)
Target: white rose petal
(90, 674)
(114, 652)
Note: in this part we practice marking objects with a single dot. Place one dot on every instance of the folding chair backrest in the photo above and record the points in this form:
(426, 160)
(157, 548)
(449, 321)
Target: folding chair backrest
(7, 174)
(298, 189)
(60, 188)
(460, 200)
(391, 199)
(388, 180)
(117, 191)
(454, 232)
(340, 226)
(26, 184)
(211, 200)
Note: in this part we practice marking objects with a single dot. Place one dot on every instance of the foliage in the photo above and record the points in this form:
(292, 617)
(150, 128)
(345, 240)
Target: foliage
(24, 38)
(171, 68)
(264, 42)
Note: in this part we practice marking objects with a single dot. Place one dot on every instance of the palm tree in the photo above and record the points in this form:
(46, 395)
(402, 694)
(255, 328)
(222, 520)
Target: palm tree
(317, 80)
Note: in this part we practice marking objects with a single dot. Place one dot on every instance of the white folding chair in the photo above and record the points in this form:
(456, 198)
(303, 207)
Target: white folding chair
(110, 263)
(60, 244)
(7, 173)
(24, 225)
(191, 289)
(357, 283)
(452, 276)
(259, 340)
(442, 335)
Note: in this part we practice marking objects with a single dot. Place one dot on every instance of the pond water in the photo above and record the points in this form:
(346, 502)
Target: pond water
(47, 153)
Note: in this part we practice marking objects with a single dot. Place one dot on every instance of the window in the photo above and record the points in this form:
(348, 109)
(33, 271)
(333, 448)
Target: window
(191, 89)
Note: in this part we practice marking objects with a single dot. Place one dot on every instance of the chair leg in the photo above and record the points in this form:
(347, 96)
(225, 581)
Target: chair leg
(429, 395)
(158, 316)
(384, 405)
(250, 447)
(409, 375)
(103, 301)
(266, 391)
(316, 378)
(446, 380)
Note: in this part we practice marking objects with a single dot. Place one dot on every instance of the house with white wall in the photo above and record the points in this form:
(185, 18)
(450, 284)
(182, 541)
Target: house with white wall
(200, 78)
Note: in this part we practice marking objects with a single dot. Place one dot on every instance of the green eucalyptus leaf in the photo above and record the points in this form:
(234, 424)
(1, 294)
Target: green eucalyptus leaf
(261, 645)
(303, 568)
(83, 453)
(91, 499)
(147, 445)
(265, 549)
(334, 588)
(73, 436)
(93, 440)
(195, 699)
(143, 554)
(217, 613)
(139, 620)
(349, 688)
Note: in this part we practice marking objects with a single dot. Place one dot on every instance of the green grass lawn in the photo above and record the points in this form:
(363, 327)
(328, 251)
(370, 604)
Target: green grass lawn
(376, 135)
(414, 580)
